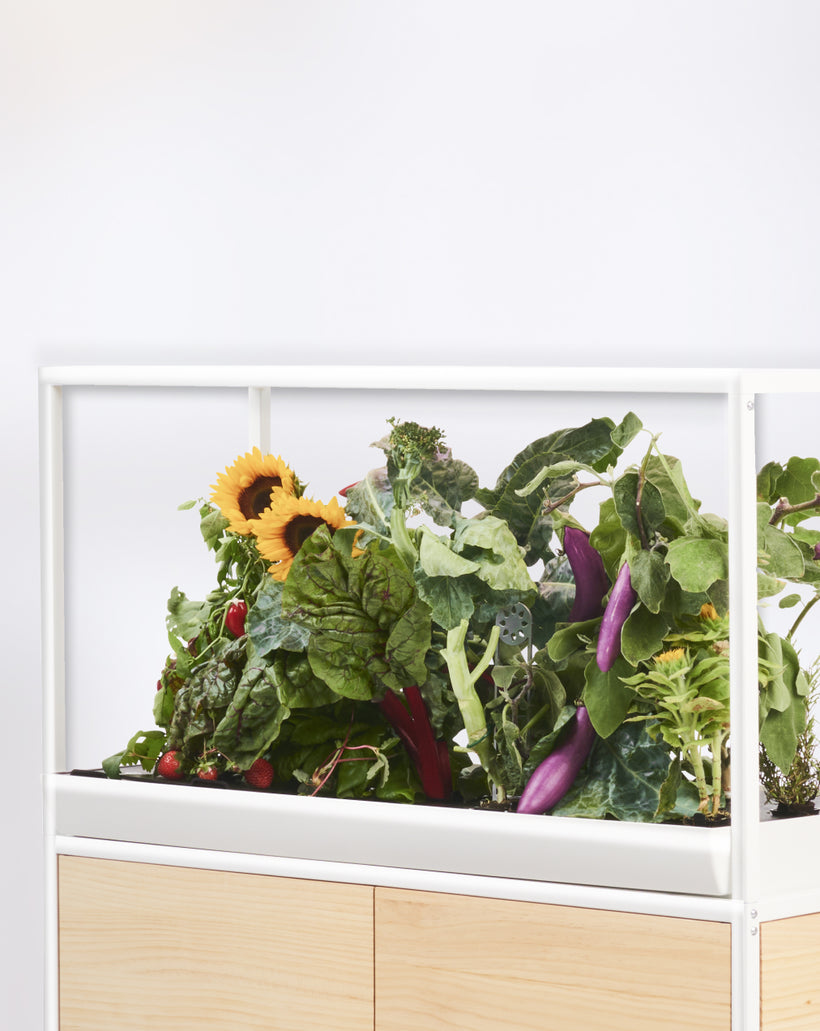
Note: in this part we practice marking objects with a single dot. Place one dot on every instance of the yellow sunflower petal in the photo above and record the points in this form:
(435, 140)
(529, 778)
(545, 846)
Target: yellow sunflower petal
(286, 525)
(244, 491)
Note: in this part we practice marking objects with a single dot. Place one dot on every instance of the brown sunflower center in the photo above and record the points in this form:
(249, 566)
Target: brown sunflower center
(253, 500)
(299, 529)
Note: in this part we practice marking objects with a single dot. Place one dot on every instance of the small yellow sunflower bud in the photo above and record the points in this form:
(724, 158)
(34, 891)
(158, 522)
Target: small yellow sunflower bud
(708, 611)
(673, 655)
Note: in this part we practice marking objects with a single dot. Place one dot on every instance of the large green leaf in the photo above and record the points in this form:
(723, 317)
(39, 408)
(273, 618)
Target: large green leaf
(368, 628)
(626, 431)
(253, 721)
(606, 697)
(437, 557)
(297, 685)
(450, 600)
(649, 575)
(266, 626)
(568, 639)
(796, 481)
(200, 703)
(642, 635)
(778, 554)
(652, 512)
(443, 487)
(186, 618)
(667, 475)
(609, 537)
(590, 445)
(783, 692)
(370, 501)
(489, 543)
(696, 563)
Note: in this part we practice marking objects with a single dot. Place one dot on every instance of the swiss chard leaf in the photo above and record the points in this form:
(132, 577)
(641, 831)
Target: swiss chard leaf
(368, 629)
(297, 684)
(268, 628)
(254, 717)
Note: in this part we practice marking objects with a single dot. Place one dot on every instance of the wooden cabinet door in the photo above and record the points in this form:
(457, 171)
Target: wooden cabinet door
(447, 962)
(790, 973)
(146, 947)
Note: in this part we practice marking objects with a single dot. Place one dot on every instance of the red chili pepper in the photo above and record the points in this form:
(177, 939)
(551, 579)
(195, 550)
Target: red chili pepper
(235, 619)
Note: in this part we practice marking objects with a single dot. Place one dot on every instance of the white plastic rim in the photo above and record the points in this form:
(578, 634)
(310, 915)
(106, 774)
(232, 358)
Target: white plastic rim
(648, 857)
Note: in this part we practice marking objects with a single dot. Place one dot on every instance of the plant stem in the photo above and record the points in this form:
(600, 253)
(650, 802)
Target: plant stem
(693, 751)
(462, 680)
(783, 508)
(401, 537)
(551, 507)
(717, 771)
(806, 608)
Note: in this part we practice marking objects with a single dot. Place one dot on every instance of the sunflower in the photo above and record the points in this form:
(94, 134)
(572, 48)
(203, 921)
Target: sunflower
(287, 524)
(244, 491)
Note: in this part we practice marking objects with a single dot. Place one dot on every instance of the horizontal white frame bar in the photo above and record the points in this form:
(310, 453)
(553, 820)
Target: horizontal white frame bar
(396, 377)
(780, 381)
(722, 910)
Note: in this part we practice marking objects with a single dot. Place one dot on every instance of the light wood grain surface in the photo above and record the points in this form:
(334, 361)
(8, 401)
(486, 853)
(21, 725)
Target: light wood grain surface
(152, 947)
(790, 974)
(448, 963)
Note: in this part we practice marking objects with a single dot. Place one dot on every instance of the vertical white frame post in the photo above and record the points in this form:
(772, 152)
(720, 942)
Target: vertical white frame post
(259, 418)
(745, 733)
(53, 666)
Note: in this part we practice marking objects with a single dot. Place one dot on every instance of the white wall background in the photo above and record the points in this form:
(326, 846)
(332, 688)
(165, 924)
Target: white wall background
(350, 181)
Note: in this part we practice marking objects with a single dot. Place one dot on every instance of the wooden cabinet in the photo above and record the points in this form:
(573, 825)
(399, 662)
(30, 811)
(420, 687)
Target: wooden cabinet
(450, 961)
(148, 946)
(145, 947)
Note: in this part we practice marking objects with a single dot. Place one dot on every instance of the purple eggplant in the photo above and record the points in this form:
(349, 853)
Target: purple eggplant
(620, 604)
(554, 776)
(591, 581)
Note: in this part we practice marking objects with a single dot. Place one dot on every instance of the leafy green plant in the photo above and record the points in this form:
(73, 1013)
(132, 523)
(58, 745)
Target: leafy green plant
(359, 652)
(795, 789)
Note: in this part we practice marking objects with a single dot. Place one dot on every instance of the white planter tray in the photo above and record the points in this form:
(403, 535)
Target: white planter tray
(651, 857)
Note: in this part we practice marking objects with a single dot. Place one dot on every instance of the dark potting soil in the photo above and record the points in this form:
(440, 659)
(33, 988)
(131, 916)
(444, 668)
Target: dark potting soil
(236, 783)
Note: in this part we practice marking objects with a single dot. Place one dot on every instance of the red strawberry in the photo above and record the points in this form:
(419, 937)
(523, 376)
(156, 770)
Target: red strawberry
(260, 774)
(235, 618)
(207, 773)
(169, 766)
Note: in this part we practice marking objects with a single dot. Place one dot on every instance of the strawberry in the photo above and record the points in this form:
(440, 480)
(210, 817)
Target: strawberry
(207, 773)
(260, 774)
(170, 766)
(235, 618)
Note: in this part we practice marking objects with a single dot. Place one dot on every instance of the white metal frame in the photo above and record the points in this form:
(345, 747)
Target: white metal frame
(743, 909)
